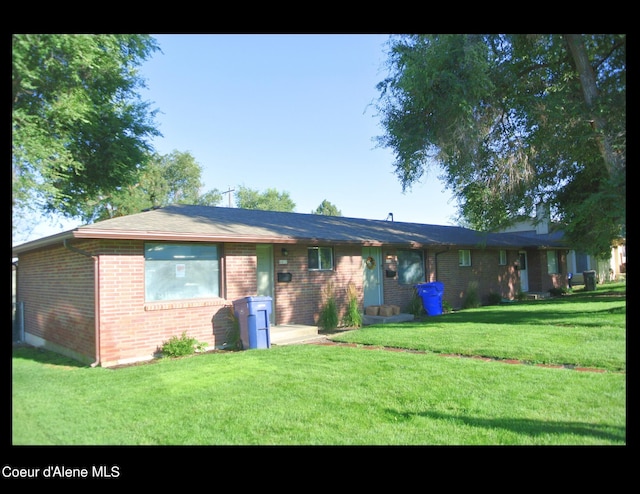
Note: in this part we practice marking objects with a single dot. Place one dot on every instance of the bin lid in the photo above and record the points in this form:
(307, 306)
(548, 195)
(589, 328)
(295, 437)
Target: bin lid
(253, 299)
(432, 288)
(258, 299)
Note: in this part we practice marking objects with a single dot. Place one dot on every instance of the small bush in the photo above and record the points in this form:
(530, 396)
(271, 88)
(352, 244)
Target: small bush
(353, 317)
(233, 339)
(329, 313)
(494, 299)
(471, 299)
(416, 307)
(181, 346)
(446, 307)
(557, 292)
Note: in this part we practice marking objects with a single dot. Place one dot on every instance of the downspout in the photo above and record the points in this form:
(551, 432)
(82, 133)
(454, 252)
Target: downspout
(96, 296)
(436, 260)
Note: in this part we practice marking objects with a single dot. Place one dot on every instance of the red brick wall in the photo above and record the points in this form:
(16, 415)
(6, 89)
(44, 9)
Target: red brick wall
(301, 300)
(540, 280)
(57, 288)
(240, 276)
(132, 328)
(395, 293)
(490, 277)
(535, 268)
(485, 275)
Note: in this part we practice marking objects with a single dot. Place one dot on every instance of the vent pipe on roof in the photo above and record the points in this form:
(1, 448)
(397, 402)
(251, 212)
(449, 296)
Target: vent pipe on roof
(390, 215)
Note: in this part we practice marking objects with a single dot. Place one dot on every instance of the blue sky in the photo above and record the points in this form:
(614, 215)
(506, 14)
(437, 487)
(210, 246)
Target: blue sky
(293, 113)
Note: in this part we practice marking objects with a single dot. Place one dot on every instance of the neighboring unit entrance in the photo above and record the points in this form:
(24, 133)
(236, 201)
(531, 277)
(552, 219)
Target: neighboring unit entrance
(372, 268)
(524, 277)
(264, 255)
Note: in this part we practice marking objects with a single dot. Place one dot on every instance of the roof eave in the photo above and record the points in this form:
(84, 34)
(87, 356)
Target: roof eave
(42, 242)
(93, 233)
(96, 233)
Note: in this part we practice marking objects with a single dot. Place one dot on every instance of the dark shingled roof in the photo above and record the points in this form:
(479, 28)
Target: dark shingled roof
(235, 224)
(221, 221)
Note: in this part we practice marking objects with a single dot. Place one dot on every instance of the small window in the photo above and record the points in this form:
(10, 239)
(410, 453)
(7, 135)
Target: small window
(552, 262)
(502, 259)
(320, 258)
(464, 257)
(410, 267)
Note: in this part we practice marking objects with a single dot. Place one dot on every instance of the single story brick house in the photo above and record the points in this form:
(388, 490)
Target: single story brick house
(112, 292)
(612, 269)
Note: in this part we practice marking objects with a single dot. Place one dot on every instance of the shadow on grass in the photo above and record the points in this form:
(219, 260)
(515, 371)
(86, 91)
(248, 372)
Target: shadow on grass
(43, 356)
(527, 426)
(536, 315)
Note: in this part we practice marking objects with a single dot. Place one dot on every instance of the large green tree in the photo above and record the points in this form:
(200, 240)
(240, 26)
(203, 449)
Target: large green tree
(269, 200)
(170, 179)
(514, 122)
(326, 208)
(79, 128)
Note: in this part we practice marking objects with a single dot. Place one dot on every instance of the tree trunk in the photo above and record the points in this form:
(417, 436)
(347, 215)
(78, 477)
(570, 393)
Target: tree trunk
(590, 93)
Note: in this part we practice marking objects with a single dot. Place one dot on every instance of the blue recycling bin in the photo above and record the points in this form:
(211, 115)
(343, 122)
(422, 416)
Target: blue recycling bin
(431, 295)
(254, 313)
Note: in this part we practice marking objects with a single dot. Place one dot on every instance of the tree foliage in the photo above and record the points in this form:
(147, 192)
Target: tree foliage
(170, 179)
(515, 121)
(79, 128)
(327, 209)
(269, 200)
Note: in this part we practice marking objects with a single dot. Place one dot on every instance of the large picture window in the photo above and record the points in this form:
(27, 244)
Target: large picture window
(410, 267)
(176, 271)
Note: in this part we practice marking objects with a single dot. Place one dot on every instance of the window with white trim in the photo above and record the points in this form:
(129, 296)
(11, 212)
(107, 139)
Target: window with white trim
(320, 258)
(177, 271)
(464, 257)
(502, 258)
(552, 262)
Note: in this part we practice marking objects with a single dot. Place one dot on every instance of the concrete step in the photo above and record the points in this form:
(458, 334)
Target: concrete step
(537, 295)
(287, 334)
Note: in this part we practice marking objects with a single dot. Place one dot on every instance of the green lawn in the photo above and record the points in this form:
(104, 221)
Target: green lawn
(357, 394)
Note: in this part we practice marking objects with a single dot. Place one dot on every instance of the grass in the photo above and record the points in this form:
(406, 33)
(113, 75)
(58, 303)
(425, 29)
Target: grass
(355, 395)
(585, 329)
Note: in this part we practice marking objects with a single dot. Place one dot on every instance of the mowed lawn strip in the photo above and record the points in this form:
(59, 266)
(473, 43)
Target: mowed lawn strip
(343, 395)
(583, 332)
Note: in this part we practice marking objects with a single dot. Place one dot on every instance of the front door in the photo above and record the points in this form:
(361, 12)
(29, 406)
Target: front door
(372, 267)
(264, 255)
(524, 277)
